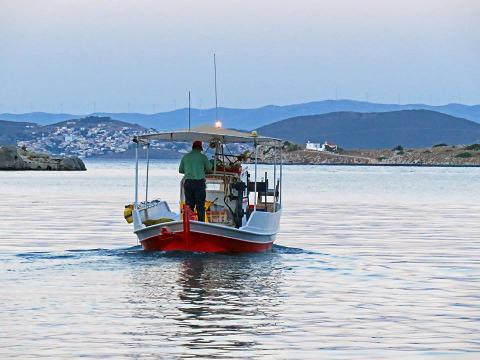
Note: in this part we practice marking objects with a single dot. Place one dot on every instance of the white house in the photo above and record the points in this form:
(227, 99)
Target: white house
(321, 147)
(314, 146)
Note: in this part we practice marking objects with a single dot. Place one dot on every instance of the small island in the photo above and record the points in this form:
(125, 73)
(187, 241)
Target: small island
(19, 158)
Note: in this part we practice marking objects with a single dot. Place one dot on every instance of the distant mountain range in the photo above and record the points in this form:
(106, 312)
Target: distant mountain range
(96, 136)
(353, 130)
(249, 118)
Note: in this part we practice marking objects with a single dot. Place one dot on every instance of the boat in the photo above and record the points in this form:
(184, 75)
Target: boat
(243, 208)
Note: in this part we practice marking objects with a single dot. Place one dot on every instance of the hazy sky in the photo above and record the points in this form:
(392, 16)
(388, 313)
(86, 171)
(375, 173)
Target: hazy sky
(114, 55)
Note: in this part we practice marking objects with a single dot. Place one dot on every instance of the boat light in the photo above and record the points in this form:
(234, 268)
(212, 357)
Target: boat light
(218, 124)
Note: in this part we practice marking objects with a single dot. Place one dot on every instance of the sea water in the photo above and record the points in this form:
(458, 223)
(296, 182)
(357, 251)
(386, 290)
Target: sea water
(370, 263)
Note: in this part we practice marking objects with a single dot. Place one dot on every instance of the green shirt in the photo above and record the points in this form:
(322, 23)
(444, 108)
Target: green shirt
(194, 165)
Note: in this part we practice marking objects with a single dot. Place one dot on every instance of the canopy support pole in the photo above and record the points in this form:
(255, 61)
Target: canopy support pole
(255, 185)
(148, 166)
(215, 159)
(136, 174)
(281, 176)
(274, 177)
(224, 169)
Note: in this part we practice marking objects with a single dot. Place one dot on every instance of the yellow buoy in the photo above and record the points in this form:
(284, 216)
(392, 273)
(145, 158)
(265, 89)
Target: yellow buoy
(128, 213)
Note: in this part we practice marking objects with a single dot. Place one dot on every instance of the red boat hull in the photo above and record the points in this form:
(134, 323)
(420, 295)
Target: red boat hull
(201, 242)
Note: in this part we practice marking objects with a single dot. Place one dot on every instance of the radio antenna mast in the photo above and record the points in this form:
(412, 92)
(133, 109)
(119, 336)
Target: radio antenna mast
(216, 96)
(189, 111)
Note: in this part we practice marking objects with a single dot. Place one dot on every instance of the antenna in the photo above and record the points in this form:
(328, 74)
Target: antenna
(216, 96)
(189, 111)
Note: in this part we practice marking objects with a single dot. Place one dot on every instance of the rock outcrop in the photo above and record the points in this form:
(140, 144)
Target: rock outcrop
(15, 158)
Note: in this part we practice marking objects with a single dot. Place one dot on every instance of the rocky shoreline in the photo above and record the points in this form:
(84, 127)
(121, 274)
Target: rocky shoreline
(434, 156)
(16, 158)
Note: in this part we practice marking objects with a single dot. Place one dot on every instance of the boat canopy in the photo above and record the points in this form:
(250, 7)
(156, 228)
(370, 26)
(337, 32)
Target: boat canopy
(208, 133)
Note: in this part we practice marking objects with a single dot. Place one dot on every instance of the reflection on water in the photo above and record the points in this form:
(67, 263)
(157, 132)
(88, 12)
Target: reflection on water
(371, 263)
(213, 305)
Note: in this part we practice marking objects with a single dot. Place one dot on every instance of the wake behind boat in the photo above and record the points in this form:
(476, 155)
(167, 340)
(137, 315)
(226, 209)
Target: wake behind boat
(242, 213)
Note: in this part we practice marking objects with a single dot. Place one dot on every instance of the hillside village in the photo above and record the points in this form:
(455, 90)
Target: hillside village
(81, 141)
(86, 137)
(89, 137)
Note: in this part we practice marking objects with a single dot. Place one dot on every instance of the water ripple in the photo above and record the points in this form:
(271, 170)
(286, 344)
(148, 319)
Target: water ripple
(371, 263)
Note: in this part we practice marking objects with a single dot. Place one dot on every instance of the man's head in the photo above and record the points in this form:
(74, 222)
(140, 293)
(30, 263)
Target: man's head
(197, 145)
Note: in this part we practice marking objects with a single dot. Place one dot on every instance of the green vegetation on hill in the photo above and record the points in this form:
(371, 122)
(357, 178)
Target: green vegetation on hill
(475, 147)
(288, 146)
(464, 155)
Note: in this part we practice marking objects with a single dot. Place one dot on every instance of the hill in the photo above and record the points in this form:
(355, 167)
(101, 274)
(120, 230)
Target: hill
(91, 136)
(12, 131)
(98, 137)
(94, 121)
(351, 130)
(250, 118)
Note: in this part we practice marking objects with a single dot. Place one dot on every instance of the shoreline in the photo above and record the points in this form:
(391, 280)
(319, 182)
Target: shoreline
(379, 165)
(437, 156)
(176, 161)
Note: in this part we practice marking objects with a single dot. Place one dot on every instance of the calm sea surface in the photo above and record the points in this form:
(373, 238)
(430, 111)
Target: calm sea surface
(370, 263)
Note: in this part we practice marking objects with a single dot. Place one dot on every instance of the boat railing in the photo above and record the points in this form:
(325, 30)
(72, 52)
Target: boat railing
(148, 204)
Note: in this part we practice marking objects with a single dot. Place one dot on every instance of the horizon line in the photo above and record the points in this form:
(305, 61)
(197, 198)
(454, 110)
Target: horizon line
(240, 108)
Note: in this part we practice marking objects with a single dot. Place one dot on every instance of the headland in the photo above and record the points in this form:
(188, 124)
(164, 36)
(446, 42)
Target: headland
(17, 158)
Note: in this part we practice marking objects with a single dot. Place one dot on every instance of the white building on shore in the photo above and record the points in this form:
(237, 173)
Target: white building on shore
(321, 147)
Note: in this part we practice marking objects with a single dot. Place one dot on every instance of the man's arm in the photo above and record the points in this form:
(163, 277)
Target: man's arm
(208, 165)
(181, 168)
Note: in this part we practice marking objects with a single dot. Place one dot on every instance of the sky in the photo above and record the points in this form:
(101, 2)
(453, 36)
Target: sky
(83, 56)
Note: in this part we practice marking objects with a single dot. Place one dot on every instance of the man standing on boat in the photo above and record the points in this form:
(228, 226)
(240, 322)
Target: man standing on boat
(194, 165)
